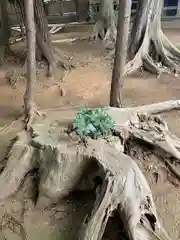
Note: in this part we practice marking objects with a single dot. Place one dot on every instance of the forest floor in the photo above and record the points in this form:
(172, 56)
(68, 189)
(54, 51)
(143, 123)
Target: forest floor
(88, 83)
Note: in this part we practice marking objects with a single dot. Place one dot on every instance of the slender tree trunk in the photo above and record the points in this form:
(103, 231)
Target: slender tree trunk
(31, 60)
(105, 27)
(5, 32)
(120, 52)
(149, 47)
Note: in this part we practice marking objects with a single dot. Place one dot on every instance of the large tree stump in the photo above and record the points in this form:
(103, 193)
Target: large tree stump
(62, 160)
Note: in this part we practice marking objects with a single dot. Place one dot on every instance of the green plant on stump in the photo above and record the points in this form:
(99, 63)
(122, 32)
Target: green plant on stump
(93, 123)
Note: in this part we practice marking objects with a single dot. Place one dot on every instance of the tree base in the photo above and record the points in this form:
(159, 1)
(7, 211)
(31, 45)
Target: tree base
(100, 32)
(149, 47)
(164, 57)
(61, 62)
(30, 112)
(62, 161)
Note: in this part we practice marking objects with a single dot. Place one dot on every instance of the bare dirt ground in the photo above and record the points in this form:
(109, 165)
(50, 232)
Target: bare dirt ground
(88, 83)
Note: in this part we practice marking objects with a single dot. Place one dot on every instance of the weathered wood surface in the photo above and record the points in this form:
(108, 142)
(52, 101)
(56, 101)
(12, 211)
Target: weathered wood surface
(62, 161)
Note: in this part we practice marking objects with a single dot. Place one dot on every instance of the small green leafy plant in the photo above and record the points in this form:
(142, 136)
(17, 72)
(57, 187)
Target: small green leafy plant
(93, 123)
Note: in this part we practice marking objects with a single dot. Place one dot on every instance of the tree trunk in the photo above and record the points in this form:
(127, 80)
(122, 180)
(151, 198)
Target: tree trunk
(5, 33)
(43, 40)
(105, 27)
(42, 35)
(31, 60)
(82, 8)
(149, 47)
(44, 44)
(120, 52)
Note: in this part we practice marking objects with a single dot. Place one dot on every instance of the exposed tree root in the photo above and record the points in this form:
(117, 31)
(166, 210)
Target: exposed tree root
(124, 189)
(159, 107)
(107, 35)
(105, 27)
(155, 132)
(30, 112)
(44, 50)
(166, 61)
(149, 47)
(12, 78)
(15, 75)
(9, 222)
(54, 57)
(18, 164)
(62, 161)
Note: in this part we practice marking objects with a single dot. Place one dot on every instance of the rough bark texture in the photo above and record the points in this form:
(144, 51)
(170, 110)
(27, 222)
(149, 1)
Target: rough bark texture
(149, 47)
(62, 161)
(5, 32)
(19, 162)
(120, 52)
(31, 62)
(45, 50)
(105, 27)
(124, 189)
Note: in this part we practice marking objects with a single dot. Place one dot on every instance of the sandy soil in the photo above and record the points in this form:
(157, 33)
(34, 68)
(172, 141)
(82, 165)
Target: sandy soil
(88, 83)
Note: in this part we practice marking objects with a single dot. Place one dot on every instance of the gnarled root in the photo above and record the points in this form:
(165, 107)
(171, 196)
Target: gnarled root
(131, 197)
(19, 162)
(107, 35)
(150, 129)
(160, 107)
(120, 186)
(151, 49)
(167, 57)
(30, 112)
(9, 222)
(124, 189)
(154, 131)
(14, 75)
(54, 57)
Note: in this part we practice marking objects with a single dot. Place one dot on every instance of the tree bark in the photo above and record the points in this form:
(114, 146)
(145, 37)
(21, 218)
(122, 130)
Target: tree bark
(44, 43)
(120, 52)
(82, 8)
(44, 51)
(105, 27)
(138, 28)
(42, 35)
(5, 33)
(62, 162)
(31, 61)
(149, 47)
